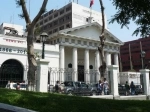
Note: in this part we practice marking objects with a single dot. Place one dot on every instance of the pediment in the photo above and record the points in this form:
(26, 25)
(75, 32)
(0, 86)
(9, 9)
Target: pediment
(91, 31)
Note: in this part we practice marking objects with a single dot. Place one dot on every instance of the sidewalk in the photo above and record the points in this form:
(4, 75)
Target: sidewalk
(10, 108)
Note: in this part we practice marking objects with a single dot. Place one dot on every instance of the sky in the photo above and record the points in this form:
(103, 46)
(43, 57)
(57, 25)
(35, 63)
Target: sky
(9, 14)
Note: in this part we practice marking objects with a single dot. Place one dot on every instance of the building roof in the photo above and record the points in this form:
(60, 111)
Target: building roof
(67, 32)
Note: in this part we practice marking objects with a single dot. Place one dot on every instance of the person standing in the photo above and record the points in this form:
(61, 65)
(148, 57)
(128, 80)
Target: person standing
(105, 87)
(132, 86)
(127, 88)
(100, 87)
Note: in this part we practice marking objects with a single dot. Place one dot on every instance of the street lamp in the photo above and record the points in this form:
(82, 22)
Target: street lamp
(142, 58)
(43, 36)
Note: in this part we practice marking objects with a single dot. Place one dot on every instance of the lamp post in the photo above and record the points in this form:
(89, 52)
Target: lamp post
(43, 36)
(142, 58)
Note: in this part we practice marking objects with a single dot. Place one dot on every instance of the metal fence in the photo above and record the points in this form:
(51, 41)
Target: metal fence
(69, 74)
(135, 77)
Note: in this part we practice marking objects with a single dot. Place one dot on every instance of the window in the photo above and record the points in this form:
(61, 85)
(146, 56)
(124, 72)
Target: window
(68, 26)
(50, 18)
(72, 41)
(66, 40)
(45, 15)
(61, 12)
(95, 44)
(90, 43)
(55, 15)
(68, 8)
(45, 20)
(61, 28)
(61, 20)
(50, 32)
(79, 41)
(85, 43)
(55, 30)
(41, 23)
(55, 23)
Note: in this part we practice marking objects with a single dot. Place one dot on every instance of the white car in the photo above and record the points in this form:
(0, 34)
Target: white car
(23, 86)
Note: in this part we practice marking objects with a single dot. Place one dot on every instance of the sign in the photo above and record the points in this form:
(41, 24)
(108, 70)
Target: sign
(13, 50)
(15, 41)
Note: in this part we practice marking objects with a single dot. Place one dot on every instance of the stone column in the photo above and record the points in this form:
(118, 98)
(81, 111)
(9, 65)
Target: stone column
(145, 75)
(108, 58)
(61, 64)
(113, 82)
(74, 64)
(97, 65)
(25, 75)
(42, 75)
(86, 66)
(116, 61)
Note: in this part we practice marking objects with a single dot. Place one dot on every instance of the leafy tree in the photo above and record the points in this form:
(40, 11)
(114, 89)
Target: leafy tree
(136, 10)
(30, 37)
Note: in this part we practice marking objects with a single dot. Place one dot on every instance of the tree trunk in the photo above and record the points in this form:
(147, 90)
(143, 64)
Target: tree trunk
(31, 60)
(102, 68)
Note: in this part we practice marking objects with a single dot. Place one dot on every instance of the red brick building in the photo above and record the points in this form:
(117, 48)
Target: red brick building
(130, 54)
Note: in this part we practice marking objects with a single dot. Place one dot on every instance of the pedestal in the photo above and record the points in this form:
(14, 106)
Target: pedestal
(42, 75)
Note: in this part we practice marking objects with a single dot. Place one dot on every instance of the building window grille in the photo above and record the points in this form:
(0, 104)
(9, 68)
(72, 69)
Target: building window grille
(90, 43)
(95, 44)
(79, 41)
(66, 40)
(54, 41)
(58, 40)
(72, 41)
(85, 43)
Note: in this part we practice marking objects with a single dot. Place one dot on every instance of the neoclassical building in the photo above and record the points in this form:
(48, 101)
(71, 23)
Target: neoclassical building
(78, 52)
(72, 54)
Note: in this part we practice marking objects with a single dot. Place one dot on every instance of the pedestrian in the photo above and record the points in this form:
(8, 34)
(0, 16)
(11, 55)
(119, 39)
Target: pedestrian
(100, 87)
(132, 87)
(18, 86)
(127, 88)
(105, 87)
(57, 88)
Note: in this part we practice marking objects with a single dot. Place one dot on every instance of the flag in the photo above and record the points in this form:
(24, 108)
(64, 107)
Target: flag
(91, 3)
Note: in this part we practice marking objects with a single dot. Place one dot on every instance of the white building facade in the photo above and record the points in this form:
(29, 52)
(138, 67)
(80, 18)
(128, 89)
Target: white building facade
(13, 61)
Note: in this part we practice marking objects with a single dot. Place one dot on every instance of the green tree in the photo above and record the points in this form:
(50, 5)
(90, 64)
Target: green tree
(135, 10)
(30, 38)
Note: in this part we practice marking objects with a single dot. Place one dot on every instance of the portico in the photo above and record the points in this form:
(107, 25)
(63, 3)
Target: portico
(78, 48)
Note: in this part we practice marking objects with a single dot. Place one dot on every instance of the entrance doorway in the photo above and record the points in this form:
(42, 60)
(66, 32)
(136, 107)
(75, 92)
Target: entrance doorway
(80, 73)
(11, 70)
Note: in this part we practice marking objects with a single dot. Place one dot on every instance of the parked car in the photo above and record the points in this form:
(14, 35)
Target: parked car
(78, 88)
(23, 86)
(138, 89)
(13, 85)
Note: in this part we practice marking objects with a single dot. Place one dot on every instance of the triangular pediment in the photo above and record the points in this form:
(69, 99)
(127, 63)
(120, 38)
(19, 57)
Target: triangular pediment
(90, 31)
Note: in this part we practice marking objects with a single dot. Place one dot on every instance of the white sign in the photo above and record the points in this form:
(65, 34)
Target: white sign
(13, 50)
